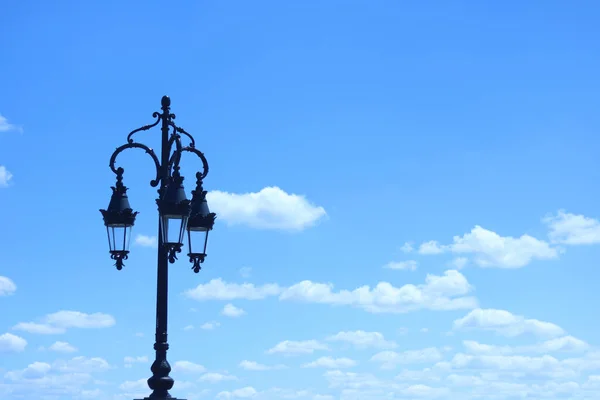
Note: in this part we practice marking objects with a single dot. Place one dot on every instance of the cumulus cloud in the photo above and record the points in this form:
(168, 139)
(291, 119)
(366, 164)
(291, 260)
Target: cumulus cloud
(64, 379)
(254, 366)
(291, 347)
(7, 286)
(492, 250)
(217, 289)
(215, 377)
(505, 323)
(146, 241)
(5, 126)
(270, 208)
(10, 343)
(562, 344)
(331, 363)
(129, 360)
(407, 247)
(408, 265)
(431, 247)
(243, 393)
(390, 359)
(449, 291)
(5, 177)
(188, 367)
(459, 262)
(134, 386)
(446, 292)
(572, 229)
(232, 311)
(60, 321)
(362, 339)
(81, 364)
(62, 347)
(210, 325)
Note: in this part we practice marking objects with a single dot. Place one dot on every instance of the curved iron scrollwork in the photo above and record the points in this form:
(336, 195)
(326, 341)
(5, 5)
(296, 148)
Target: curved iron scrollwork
(133, 145)
(183, 132)
(156, 115)
(177, 156)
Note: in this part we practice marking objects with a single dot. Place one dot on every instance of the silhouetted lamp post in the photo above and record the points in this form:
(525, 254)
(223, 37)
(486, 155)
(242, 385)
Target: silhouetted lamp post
(177, 215)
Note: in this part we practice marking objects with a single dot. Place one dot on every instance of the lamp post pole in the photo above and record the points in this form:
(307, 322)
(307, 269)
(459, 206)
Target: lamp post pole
(161, 382)
(176, 216)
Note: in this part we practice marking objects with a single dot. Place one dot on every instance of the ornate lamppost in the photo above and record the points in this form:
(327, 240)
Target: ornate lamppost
(177, 215)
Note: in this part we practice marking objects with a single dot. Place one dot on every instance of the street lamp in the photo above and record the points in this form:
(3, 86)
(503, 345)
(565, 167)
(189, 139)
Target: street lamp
(177, 215)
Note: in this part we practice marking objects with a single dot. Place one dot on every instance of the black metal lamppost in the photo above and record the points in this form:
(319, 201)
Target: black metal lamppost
(177, 215)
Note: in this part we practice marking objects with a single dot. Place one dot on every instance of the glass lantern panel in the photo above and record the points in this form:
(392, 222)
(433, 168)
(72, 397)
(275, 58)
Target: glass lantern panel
(119, 237)
(173, 228)
(197, 241)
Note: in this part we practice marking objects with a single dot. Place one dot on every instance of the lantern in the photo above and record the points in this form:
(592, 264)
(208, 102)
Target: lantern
(174, 210)
(200, 223)
(119, 219)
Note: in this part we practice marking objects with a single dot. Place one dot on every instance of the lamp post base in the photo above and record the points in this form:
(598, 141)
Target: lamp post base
(164, 398)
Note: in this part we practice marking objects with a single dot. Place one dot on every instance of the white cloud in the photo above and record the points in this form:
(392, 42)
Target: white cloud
(7, 286)
(232, 311)
(445, 292)
(492, 250)
(32, 371)
(10, 343)
(62, 347)
(36, 328)
(506, 323)
(217, 289)
(290, 347)
(146, 241)
(254, 366)
(572, 229)
(363, 339)
(6, 127)
(424, 375)
(431, 247)
(188, 367)
(243, 393)
(389, 359)
(331, 363)
(459, 262)
(60, 380)
(60, 321)
(506, 363)
(134, 386)
(561, 344)
(81, 364)
(271, 208)
(353, 380)
(5, 177)
(210, 325)
(407, 247)
(215, 377)
(245, 272)
(322, 397)
(188, 328)
(129, 360)
(409, 265)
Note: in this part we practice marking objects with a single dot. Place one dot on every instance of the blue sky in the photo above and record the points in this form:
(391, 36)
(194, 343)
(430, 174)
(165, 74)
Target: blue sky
(406, 194)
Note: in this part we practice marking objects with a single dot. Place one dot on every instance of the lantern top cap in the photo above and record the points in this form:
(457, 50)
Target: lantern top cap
(119, 212)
